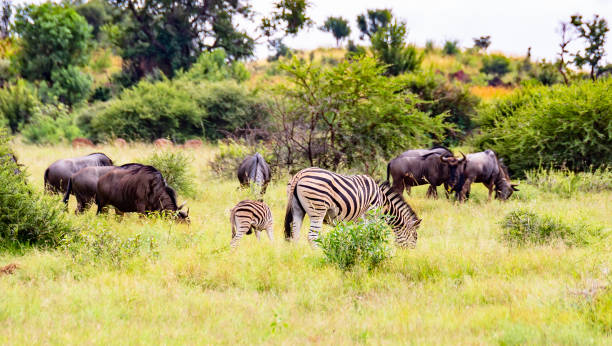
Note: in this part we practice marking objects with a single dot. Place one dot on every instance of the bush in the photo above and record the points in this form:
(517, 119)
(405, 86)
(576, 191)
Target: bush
(451, 47)
(18, 103)
(567, 183)
(559, 126)
(51, 124)
(365, 241)
(213, 67)
(390, 48)
(495, 64)
(175, 167)
(26, 216)
(231, 154)
(522, 227)
(70, 85)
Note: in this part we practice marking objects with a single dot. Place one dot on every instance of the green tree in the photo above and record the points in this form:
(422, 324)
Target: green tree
(495, 64)
(451, 47)
(482, 42)
(53, 37)
(389, 46)
(338, 26)
(370, 22)
(97, 13)
(5, 18)
(594, 33)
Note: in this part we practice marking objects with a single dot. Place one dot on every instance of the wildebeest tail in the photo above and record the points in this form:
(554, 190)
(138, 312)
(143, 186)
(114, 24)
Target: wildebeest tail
(388, 170)
(68, 189)
(46, 179)
(253, 173)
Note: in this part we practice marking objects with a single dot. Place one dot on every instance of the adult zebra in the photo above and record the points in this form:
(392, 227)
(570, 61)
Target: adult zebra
(326, 196)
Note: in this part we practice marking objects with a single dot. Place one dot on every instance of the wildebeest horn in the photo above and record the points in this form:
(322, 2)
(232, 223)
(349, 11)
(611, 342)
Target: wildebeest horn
(464, 158)
(513, 186)
(181, 206)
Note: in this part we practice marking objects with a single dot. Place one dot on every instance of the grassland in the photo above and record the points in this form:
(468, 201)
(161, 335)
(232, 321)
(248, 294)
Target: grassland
(461, 285)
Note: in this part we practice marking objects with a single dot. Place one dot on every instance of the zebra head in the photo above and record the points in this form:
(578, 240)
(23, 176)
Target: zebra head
(404, 220)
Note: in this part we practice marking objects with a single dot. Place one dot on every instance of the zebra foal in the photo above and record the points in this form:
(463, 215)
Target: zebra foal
(327, 197)
(248, 216)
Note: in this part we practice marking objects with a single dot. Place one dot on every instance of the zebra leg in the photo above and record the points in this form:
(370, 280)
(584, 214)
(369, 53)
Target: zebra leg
(270, 232)
(241, 231)
(258, 234)
(316, 224)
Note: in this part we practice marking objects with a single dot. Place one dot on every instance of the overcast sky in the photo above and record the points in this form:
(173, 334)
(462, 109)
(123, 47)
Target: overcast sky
(514, 25)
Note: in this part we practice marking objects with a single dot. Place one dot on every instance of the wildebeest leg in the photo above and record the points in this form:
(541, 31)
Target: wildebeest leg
(465, 191)
(263, 188)
(489, 186)
(446, 188)
(432, 192)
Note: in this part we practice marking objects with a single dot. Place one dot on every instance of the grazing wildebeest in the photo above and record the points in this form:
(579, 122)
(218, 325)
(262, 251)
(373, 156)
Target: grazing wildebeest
(84, 184)
(163, 143)
(250, 216)
(254, 169)
(137, 188)
(484, 167)
(328, 197)
(432, 168)
(421, 152)
(82, 142)
(60, 171)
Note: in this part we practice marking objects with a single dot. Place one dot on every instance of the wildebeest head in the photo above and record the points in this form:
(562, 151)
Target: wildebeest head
(182, 215)
(455, 166)
(503, 187)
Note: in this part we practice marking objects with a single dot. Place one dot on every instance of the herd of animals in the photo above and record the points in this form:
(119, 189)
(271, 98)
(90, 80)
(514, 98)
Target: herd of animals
(323, 195)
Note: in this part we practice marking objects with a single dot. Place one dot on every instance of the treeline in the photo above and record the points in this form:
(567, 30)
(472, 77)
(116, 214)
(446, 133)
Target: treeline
(141, 71)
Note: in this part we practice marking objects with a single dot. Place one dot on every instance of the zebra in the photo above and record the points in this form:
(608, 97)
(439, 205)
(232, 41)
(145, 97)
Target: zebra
(248, 216)
(327, 197)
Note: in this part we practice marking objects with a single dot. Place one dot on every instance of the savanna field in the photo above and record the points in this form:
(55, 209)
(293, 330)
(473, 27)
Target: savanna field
(148, 280)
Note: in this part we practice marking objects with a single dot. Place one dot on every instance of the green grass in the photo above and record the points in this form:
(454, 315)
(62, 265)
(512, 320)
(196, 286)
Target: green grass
(182, 284)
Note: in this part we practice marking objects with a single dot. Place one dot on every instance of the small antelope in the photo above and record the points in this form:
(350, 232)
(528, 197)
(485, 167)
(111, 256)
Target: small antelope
(248, 216)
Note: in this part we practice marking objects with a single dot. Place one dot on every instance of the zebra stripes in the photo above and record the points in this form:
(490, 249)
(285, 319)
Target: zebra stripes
(326, 197)
(248, 216)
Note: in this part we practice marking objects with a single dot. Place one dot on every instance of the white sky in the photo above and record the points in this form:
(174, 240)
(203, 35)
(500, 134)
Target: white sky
(514, 25)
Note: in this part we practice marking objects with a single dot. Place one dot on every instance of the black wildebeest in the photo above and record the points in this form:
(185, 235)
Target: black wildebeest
(484, 167)
(84, 184)
(254, 169)
(137, 188)
(60, 171)
(423, 166)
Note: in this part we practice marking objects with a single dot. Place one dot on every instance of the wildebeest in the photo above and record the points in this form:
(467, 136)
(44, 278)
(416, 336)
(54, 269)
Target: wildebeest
(81, 142)
(423, 166)
(163, 143)
(84, 184)
(254, 169)
(484, 167)
(137, 188)
(60, 171)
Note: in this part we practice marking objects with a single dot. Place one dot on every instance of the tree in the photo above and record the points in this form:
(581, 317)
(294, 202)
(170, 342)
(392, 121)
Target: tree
(495, 64)
(371, 22)
(594, 33)
(97, 13)
(53, 37)
(451, 47)
(338, 26)
(565, 41)
(5, 19)
(389, 46)
(169, 35)
(482, 42)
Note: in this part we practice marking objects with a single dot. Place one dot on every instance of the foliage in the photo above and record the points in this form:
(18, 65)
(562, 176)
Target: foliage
(440, 96)
(546, 73)
(69, 86)
(558, 126)
(53, 38)
(389, 46)
(338, 26)
(98, 13)
(523, 227)
(567, 183)
(213, 66)
(231, 154)
(482, 42)
(327, 113)
(26, 216)
(365, 242)
(5, 19)
(176, 168)
(354, 50)
(451, 47)
(51, 124)
(594, 33)
(495, 64)
(369, 23)
(18, 103)
(288, 16)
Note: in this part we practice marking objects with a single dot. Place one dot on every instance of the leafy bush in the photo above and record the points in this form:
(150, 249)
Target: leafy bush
(389, 46)
(69, 86)
(213, 67)
(365, 241)
(232, 152)
(26, 216)
(175, 167)
(18, 103)
(522, 227)
(567, 183)
(51, 124)
(495, 64)
(558, 126)
(451, 47)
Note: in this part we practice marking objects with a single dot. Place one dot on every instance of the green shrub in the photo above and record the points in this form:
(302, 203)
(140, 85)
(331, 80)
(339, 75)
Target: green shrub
(18, 103)
(495, 64)
(175, 167)
(213, 67)
(69, 86)
(365, 242)
(567, 183)
(390, 48)
(51, 124)
(558, 126)
(451, 47)
(232, 152)
(27, 216)
(522, 227)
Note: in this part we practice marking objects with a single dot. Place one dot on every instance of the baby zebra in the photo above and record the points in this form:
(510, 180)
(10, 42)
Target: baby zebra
(248, 216)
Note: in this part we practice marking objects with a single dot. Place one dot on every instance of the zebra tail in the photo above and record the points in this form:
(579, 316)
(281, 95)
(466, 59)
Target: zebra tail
(68, 189)
(289, 216)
